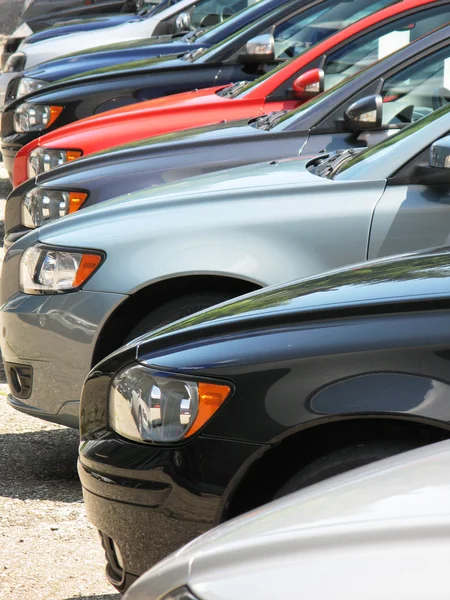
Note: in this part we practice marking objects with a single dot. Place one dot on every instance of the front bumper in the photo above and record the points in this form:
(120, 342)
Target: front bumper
(53, 338)
(148, 501)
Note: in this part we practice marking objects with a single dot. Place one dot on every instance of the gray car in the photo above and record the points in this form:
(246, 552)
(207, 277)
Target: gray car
(390, 518)
(123, 268)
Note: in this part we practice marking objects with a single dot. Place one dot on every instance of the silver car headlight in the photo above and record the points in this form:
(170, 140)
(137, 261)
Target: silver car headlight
(24, 30)
(35, 117)
(44, 159)
(16, 62)
(27, 85)
(146, 406)
(40, 206)
(55, 271)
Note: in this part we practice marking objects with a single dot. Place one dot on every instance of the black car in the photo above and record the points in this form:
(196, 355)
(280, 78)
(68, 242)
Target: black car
(258, 397)
(400, 89)
(229, 61)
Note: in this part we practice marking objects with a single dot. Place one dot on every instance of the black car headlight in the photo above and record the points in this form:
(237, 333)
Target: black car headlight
(16, 62)
(35, 117)
(44, 159)
(149, 406)
(56, 270)
(40, 206)
(27, 85)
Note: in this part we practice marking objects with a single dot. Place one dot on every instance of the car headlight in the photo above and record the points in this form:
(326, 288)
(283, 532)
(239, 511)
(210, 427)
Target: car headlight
(40, 206)
(24, 30)
(45, 159)
(35, 117)
(16, 62)
(149, 407)
(27, 85)
(55, 271)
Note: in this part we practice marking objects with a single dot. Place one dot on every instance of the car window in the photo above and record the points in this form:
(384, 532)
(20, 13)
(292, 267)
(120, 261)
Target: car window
(419, 89)
(301, 31)
(210, 12)
(385, 40)
(358, 166)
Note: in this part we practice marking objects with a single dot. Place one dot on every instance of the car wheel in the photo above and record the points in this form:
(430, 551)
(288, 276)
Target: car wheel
(344, 459)
(177, 309)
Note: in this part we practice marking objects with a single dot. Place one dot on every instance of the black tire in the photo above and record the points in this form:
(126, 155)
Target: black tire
(342, 460)
(177, 309)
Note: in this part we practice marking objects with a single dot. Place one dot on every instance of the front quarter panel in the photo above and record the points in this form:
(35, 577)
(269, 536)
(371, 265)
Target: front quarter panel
(252, 230)
(322, 369)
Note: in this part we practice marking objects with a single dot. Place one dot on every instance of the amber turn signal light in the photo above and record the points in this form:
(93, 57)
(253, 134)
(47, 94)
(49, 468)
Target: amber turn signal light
(211, 396)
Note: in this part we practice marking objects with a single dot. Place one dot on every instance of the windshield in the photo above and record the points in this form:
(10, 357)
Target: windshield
(299, 32)
(361, 163)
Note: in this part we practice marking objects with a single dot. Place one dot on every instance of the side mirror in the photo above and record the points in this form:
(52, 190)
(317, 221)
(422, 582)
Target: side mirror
(364, 114)
(437, 172)
(440, 154)
(309, 84)
(183, 22)
(260, 49)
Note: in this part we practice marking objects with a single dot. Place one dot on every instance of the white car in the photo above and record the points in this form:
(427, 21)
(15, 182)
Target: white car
(378, 532)
(30, 54)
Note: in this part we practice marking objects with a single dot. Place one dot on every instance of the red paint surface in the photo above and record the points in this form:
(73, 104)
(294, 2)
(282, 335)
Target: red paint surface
(192, 109)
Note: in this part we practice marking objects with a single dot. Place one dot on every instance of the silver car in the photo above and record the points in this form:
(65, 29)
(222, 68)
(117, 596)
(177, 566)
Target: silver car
(112, 272)
(380, 531)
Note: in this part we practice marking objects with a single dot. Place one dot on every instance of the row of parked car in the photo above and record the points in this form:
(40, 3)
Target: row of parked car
(212, 149)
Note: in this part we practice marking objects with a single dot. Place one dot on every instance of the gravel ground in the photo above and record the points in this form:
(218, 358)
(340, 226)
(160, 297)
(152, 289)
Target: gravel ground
(48, 550)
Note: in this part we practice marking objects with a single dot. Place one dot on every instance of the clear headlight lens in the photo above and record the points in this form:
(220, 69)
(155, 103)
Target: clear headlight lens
(54, 271)
(16, 62)
(150, 407)
(39, 206)
(27, 85)
(35, 117)
(46, 159)
(23, 30)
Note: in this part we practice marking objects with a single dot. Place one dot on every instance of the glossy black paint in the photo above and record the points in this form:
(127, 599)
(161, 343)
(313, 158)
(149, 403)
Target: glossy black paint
(163, 159)
(357, 354)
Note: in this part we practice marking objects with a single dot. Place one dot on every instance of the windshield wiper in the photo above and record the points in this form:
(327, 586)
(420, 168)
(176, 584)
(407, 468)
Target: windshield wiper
(266, 122)
(331, 166)
(192, 55)
(191, 36)
(233, 90)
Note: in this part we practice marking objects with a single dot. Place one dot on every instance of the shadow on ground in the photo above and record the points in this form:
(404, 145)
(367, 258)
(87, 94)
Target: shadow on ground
(46, 461)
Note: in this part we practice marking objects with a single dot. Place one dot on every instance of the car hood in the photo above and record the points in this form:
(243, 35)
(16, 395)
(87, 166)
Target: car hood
(402, 279)
(402, 498)
(81, 25)
(109, 124)
(47, 49)
(103, 57)
(275, 177)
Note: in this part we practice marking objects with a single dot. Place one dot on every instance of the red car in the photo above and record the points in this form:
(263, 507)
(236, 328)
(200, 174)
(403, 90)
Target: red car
(285, 87)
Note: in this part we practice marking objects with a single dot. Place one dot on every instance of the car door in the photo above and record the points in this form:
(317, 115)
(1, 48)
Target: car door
(412, 213)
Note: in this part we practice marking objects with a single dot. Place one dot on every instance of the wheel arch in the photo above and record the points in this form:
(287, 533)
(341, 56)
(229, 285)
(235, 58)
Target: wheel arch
(264, 474)
(134, 308)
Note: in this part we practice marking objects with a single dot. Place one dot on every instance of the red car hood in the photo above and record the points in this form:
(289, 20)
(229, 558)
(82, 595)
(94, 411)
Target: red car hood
(144, 120)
